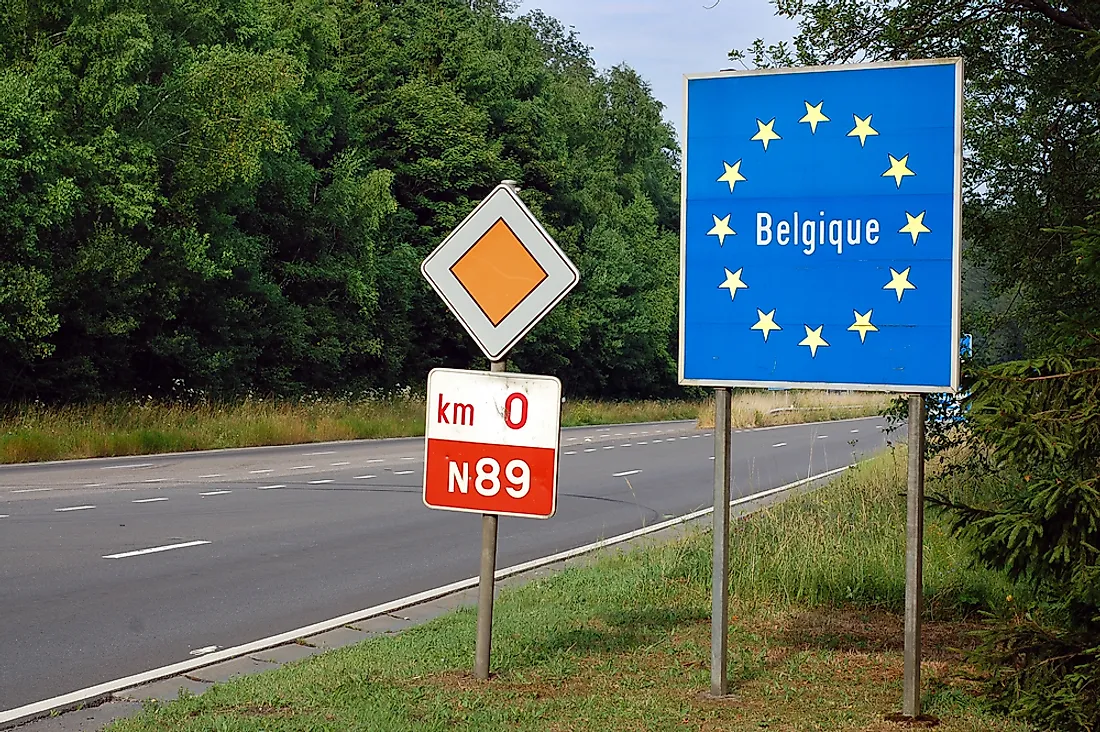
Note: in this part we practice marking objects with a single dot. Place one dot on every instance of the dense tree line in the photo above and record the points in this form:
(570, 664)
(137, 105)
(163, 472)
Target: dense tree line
(1028, 493)
(235, 195)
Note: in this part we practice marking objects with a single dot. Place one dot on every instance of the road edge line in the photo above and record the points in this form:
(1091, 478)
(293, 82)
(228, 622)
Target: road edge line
(103, 691)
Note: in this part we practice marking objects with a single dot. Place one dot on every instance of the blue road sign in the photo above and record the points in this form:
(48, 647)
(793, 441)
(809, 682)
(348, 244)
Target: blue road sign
(820, 227)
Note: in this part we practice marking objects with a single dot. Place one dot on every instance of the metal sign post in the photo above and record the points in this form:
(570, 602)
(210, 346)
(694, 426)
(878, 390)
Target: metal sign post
(487, 582)
(720, 588)
(914, 558)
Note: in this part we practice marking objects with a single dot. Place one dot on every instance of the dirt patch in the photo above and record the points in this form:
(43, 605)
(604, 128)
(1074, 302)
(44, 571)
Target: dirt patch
(874, 631)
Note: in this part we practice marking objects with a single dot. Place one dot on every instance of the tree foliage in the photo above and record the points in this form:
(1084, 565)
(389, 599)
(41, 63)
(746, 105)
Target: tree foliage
(1032, 248)
(235, 195)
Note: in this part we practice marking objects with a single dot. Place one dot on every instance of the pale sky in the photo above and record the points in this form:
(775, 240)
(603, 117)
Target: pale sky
(665, 39)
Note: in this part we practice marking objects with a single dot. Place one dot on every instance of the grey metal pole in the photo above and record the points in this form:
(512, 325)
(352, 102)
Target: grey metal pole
(486, 583)
(719, 612)
(914, 558)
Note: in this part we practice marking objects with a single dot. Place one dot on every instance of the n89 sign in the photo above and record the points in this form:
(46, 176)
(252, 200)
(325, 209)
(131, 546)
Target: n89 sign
(492, 443)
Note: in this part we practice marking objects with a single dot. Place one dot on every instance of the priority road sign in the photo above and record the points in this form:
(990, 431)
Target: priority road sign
(499, 272)
(492, 442)
(821, 227)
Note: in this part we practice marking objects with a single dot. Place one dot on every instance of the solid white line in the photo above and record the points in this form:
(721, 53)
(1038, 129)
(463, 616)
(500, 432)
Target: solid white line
(302, 467)
(91, 485)
(338, 464)
(73, 508)
(322, 452)
(32, 490)
(215, 493)
(154, 480)
(99, 690)
(212, 475)
(265, 470)
(403, 472)
(363, 477)
(148, 500)
(125, 467)
(320, 482)
(154, 550)
(266, 487)
(780, 444)
(625, 473)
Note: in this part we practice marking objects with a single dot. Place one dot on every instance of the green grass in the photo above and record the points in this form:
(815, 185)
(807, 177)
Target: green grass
(36, 432)
(622, 643)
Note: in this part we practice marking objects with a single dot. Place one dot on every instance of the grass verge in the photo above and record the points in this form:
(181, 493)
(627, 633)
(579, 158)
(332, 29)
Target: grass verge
(36, 432)
(757, 408)
(623, 643)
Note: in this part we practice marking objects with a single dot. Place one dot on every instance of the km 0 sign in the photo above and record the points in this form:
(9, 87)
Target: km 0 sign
(492, 442)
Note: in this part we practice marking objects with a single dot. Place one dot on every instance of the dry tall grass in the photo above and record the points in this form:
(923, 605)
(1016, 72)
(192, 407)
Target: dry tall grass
(768, 408)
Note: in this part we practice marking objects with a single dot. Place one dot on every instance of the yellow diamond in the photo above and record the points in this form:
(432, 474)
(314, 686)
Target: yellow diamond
(498, 272)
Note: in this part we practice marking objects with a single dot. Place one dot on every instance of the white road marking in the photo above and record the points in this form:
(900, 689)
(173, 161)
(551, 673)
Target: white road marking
(684, 437)
(126, 467)
(265, 470)
(695, 437)
(364, 477)
(73, 508)
(3, 515)
(302, 467)
(626, 445)
(852, 432)
(215, 493)
(375, 460)
(631, 434)
(108, 687)
(266, 487)
(212, 475)
(408, 458)
(320, 482)
(338, 464)
(148, 500)
(609, 447)
(570, 452)
(707, 434)
(92, 485)
(625, 473)
(34, 490)
(711, 457)
(154, 550)
(780, 444)
(202, 651)
(322, 452)
(590, 449)
(403, 472)
(822, 437)
(618, 434)
(154, 480)
(657, 440)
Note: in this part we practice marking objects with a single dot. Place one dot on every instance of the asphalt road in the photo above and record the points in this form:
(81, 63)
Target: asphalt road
(276, 538)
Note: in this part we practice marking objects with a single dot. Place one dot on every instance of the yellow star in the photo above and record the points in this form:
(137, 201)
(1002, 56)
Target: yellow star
(863, 129)
(765, 323)
(862, 325)
(733, 282)
(813, 339)
(813, 116)
(722, 229)
(915, 226)
(732, 174)
(765, 133)
(899, 282)
(898, 169)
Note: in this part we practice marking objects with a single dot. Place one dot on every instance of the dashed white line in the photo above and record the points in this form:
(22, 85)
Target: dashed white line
(33, 490)
(339, 464)
(211, 475)
(268, 487)
(711, 457)
(822, 437)
(643, 442)
(302, 467)
(657, 440)
(408, 458)
(626, 445)
(125, 467)
(570, 452)
(321, 482)
(91, 485)
(609, 447)
(215, 493)
(590, 449)
(3, 515)
(364, 477)
(375, 460)
(696, 437)
(780, 444)
(149, 500)
(403, 472)
(852, 432)
(73, 508)
(631, 434)
(618, 434)
(707, 434)
(322, 452)
(154, 480)
(154, 550)
(625, 473)
(258, 472)
(685, 437)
